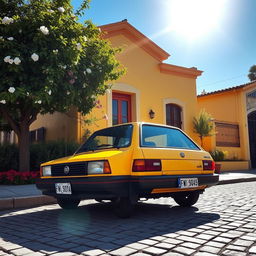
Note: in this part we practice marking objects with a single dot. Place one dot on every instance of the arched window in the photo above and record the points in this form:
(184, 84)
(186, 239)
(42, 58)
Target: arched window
(173, 115)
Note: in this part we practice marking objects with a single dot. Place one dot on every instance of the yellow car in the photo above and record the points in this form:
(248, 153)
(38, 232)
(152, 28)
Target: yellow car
(127, 162)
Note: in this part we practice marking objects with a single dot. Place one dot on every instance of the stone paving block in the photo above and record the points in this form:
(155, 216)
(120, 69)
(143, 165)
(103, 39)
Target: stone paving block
(233, 253)
(192, 239)
(172, 254)
(210, 249)
(184, 250)
(165, 245)
(63, 254)
(148, 241)
(215, 244)
(204, 254)
(137, 246)
(204, 237)
(94, 252)
(242, 242)
(252, 249)
(140, 254)
(191, 245)
(21, 251)
(154, 251)
(123, 251)
(10, 246)
(236, 248)
(222, 240)
(172, 241)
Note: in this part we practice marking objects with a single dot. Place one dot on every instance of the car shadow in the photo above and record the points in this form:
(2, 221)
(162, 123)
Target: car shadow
(50, 229)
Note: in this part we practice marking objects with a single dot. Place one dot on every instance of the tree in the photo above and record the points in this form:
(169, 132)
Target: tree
(252, 73)
(49, 62)
(203, 125)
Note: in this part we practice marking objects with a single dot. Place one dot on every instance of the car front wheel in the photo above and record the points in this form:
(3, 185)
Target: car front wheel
(186, 199)
(68, 203)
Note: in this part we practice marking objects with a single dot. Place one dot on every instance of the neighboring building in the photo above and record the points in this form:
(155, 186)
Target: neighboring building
(234, 114)
(150, 91)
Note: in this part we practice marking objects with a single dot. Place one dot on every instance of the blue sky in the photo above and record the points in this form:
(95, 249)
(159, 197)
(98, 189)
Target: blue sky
(216, 36)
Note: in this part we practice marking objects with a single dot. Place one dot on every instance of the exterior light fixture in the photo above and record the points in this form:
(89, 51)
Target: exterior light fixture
(151, 114)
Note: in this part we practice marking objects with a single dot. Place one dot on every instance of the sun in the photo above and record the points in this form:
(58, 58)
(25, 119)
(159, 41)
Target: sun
(195, 18)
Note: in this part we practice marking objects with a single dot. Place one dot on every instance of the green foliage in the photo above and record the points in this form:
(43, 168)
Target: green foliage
(203, 125)
(217, 155)
(73, 64)
(252, 73)
(40, 153)
(49, 62)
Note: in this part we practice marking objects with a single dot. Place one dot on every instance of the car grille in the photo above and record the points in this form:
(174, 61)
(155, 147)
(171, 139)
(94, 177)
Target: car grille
(75, 169)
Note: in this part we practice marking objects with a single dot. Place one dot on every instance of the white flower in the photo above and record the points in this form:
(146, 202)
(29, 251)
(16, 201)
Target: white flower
(3, 101)
(105, 117)
(17, 60)
(51, 11)
(61, 9)
(20, 31)
(7, 58)
(27, 93)
(11, 90)
(68, 92)
(55, 51)
(44, 30)
(7, 20)
(78, 46)
(50, 92)
(1, 37)
(108, 91)
(10, 61)
(88, 70)
(10, 38)
(34, 57)
(38, 101)
(85, 38)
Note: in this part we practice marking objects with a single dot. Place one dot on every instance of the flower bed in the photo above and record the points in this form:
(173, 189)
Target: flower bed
(13, 177)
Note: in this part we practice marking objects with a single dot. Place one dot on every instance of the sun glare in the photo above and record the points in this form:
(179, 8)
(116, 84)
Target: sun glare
(195, 18)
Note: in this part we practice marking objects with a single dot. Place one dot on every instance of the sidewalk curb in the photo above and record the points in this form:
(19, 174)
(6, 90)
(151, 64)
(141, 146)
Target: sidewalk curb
(240, 180)
(24, 202)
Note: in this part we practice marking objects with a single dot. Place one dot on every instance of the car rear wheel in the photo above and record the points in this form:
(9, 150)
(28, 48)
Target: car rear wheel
(123, 207)
(186, 199)
(68, 203)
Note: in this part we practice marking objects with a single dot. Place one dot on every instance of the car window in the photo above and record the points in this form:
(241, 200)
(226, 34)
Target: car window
(114, 137)
(165, 137)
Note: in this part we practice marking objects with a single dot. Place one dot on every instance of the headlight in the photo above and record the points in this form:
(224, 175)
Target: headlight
(98, 167)
(47, 171)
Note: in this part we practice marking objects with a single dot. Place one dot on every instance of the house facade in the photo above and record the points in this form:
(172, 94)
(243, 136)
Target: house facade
(234, 115)
(150, 91)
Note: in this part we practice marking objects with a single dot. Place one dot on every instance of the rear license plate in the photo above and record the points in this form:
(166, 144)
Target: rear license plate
(187, 182)
(63, 188)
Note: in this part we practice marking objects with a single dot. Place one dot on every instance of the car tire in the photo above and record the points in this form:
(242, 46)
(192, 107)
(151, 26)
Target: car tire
(68, 203)
(186, 199)
(123, 207)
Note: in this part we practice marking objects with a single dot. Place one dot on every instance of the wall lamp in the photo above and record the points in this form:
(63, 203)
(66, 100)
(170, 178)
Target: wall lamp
(151, 114)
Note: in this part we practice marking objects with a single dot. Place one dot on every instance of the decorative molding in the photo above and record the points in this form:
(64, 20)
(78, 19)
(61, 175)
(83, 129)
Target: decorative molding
(179, 71)
(126, 29)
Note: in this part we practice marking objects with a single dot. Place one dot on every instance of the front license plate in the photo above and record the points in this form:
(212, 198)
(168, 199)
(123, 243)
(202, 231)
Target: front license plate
(188, 182)
(63, 188)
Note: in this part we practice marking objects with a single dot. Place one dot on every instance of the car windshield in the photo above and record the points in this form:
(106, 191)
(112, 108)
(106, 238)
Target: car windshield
(165, 137)
(113, 137)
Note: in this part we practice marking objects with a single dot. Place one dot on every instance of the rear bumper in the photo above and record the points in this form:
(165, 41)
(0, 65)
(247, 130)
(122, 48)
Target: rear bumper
(120, 186)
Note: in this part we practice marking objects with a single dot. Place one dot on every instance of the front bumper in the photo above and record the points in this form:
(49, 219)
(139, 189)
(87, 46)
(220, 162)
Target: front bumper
(119, 186)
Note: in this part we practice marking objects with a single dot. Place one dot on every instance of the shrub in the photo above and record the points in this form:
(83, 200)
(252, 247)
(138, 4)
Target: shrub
(217, 155)
(39, 153)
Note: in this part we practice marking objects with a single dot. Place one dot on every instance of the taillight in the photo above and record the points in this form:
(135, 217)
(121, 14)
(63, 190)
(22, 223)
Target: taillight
(208, 165)
(147, 165)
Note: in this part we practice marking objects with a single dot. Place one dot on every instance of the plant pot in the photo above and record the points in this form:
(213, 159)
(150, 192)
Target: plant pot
(217, 168)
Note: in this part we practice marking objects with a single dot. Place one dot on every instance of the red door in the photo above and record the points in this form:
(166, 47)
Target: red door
(121, 108)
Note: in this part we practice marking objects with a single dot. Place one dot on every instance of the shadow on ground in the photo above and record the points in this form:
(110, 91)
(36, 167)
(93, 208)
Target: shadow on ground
(95, 226)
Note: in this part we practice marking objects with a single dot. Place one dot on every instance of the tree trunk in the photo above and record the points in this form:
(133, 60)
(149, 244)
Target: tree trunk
(24, 153)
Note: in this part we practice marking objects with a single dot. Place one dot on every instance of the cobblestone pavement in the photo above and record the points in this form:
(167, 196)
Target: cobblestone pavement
(223, 222)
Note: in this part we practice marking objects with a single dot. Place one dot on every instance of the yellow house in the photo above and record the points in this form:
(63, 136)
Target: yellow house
(234, 113)
(150, 91)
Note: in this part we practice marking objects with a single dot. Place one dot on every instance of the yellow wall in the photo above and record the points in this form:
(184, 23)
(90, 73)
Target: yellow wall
(228, 107)
(58, 126)
(149, 88)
